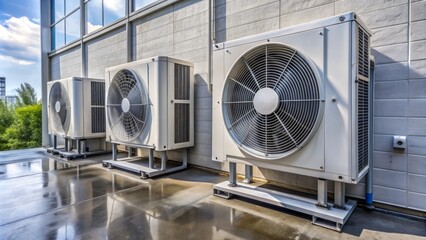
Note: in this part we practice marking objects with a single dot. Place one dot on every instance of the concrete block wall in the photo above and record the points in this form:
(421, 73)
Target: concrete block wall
(399, 44)
(66, 64)
(106, 51)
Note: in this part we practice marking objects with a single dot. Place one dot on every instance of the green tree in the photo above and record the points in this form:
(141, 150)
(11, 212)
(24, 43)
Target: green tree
(6, 116)
(25, 132)
(26, 95)
(6, 120)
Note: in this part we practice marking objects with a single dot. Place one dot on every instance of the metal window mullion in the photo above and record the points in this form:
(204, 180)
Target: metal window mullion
(103, 14)
(82, 32)
(65, 16)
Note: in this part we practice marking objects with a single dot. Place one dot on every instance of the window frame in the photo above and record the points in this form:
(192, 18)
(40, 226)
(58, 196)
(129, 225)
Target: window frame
(63, 18)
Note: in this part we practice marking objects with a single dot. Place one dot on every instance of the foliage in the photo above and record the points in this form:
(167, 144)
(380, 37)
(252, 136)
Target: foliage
(26, 95)
(6, 117)
(6, 120)
(25, 131)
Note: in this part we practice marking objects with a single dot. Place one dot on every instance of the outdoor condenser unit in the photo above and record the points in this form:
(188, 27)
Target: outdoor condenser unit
(150, 104)
(296, 100)
(76, 111)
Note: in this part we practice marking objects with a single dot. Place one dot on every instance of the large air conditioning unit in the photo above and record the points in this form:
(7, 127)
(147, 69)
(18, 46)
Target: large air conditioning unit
(296, 100)
(150, 104)
(76, 111)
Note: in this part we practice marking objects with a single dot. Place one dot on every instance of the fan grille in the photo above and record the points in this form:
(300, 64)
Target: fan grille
(59, 108)
(295, 115)
(127, 106)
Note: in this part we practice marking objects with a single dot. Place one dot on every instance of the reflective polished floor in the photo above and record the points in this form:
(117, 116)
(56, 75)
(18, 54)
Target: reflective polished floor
(47, 198)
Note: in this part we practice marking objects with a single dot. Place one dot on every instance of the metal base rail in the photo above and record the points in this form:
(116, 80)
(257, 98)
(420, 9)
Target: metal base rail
(324, 214)
(143, 171)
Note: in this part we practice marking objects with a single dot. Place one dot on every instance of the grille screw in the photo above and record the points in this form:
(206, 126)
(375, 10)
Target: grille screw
(342, 18)
(334, 100)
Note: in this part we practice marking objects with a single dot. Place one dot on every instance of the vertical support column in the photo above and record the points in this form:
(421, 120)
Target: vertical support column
(114, 151)
(322, 193)
(185, 157)
(232, 174)
(151, 158)
(248, 176)
(46, 47)
(78, 142)
(339, 195)
(55, 142)
(67, 145)
(129, 151)
(82, 45)
(163, 160)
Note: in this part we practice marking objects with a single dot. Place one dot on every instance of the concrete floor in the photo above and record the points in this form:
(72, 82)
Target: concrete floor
(46, 198)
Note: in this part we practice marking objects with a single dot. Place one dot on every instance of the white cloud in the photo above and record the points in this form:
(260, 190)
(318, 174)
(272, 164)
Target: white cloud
(91, 27)
(20, 41)
(115, 6)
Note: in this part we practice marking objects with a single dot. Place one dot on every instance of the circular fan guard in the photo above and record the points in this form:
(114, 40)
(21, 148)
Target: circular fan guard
(127, 106)
(262, 124)
(59, 108)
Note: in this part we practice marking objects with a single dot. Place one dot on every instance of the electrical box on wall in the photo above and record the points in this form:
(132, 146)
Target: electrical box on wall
(400, 142)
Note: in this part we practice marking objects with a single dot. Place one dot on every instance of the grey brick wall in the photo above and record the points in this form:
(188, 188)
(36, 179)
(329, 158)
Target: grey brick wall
(106, 51)
(66, 64)
(399, 45)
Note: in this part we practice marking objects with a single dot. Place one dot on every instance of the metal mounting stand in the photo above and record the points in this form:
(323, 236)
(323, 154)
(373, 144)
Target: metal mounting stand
(145, 171)
(69, 153)
(325, 214)
(55, 150)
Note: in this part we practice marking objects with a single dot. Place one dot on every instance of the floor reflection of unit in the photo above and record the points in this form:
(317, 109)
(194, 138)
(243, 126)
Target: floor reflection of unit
(76, 113)
(296, 100)
(150, 106)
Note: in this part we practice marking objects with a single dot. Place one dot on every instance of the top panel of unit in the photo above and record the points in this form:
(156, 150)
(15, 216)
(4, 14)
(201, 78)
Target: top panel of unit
(338, 19)
(79, 79)
(151, 59)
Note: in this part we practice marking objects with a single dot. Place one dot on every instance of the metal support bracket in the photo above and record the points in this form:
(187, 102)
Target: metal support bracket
(339, 195)
(248, 175)
(322, 198)
(232, 174)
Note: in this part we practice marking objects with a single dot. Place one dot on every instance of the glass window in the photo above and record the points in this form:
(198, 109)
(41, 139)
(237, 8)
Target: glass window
(93, 15)
(72, 26)
(58, 35)
(137, 4)
(113, 10)
(71, 5)
(59, 10)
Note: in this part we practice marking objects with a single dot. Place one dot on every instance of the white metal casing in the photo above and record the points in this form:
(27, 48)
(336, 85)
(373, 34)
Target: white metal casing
(157, 76)
(79, 91)
(331, 45)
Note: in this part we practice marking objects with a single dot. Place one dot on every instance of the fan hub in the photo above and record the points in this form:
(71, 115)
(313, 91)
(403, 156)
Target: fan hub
(57, 106)
(125, 105)
(266, 101)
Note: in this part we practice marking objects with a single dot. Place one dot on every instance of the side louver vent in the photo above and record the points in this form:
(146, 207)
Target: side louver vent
(362, 124)
(182, 114)
(182, 122)
(182, 80)
(363, 53)
(98, 106)
(271, 101)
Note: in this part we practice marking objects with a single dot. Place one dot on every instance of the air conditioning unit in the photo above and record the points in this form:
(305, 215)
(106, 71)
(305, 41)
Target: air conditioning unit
(150, 104)
(295, 100)
(76, 111)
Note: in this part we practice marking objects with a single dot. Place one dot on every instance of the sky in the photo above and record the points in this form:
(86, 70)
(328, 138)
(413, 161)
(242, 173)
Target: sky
(20, 44)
